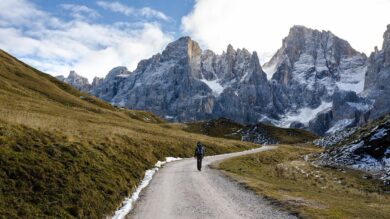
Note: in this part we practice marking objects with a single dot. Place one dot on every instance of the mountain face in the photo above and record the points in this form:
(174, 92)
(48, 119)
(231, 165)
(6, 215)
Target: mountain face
(319, 82)
(76, 81)
(350, 110)
(377, 79)
(311, 67)
(106, 88)
(184, 83)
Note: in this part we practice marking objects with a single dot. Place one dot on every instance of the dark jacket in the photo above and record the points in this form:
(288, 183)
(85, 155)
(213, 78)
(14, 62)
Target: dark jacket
(199, 151)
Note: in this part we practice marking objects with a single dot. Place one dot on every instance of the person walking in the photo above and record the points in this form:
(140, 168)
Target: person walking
(199, 154)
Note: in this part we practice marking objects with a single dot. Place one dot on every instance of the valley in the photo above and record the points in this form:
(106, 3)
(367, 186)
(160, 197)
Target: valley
(304, 135)
(65, 154)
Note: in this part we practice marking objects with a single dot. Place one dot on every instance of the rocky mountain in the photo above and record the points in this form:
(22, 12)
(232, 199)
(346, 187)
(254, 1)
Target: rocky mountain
(106, 88)
(366, 148)
(76, 81)
(319, 82)
(184, 83)
(351, 109)
(309, 68)
(377, 87)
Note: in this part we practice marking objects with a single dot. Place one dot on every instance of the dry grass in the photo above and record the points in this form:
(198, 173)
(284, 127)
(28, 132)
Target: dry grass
(285, 177)
(66, 154)
(225, 128)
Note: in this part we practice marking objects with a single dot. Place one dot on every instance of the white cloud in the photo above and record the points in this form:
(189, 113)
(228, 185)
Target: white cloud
(261, 25)
(131, 11)
(56, 46)
(80, 12)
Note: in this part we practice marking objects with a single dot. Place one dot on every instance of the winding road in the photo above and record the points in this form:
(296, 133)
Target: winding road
(179, 190)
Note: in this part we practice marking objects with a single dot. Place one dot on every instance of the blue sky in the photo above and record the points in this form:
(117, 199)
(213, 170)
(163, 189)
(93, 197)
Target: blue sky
(94, 36)
(174, 9)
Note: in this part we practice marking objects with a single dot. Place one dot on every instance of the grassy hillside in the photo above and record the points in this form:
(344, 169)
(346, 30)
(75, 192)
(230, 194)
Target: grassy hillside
(66, 154)
(225, 128)
(289, 180)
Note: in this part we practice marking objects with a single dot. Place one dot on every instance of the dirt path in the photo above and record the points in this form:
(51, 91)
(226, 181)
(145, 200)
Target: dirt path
(179, 190)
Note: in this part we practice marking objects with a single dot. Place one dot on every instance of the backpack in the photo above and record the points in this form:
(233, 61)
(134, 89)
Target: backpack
(200, 150)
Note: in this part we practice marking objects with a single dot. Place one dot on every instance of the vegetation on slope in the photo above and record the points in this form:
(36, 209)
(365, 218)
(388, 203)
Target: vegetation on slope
(66, 154)
(284, 176)
(226, 128)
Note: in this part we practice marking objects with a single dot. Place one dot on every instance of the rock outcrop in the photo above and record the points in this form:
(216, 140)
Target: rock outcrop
(76, 81)
(366, 149)
(377, 86)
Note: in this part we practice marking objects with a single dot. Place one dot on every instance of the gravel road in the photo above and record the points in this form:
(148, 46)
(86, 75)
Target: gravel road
(179, 190)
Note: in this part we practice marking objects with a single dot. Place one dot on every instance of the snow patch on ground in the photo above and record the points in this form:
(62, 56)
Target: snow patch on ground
(340, 125)
(379, 134)
(121, 103)
(214, 85)
(128, 203)
(304, 115)
(169, 117)
(334, 138)
(368, 163)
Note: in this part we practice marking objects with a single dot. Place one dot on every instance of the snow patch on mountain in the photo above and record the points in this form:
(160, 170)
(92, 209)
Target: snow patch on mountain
(353, 73)
(304, 115)
(214, 85)
(270, 70)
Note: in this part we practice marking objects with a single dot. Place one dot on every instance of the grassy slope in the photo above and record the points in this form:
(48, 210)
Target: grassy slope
(225, 128)
(312, 192)
(67, 154)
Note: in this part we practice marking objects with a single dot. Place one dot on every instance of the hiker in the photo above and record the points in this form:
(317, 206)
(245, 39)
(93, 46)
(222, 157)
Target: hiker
(199, 154)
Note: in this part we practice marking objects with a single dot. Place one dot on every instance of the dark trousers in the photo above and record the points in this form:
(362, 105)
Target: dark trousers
(199, 162)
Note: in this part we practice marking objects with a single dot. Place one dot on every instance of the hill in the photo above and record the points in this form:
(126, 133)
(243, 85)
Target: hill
(64, 153)
(259, 133)
(366, 148)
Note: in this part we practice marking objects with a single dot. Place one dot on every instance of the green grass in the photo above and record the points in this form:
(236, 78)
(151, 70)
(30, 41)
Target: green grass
(225, 128)
(66, 154)
(283, 176)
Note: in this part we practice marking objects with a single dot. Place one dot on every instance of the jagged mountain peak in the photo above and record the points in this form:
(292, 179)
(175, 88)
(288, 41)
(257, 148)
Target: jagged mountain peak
(377, 78)
(73, 73)
(230, 49)
(96, 81)
(120, 71)
(184, 47)
(302, 39)
(76, 80)
(74, 76)
(311, 71)
(386, 37)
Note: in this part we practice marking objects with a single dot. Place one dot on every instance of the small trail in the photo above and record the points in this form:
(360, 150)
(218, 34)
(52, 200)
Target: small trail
(179, 190)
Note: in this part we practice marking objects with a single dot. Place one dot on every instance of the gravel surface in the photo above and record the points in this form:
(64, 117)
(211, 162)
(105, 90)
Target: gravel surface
(179, 190)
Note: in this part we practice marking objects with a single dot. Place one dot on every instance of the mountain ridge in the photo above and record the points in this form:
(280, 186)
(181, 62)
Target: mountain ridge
(310, 71)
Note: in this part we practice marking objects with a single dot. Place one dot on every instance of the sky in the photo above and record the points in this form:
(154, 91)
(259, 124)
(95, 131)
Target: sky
(92, 37)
